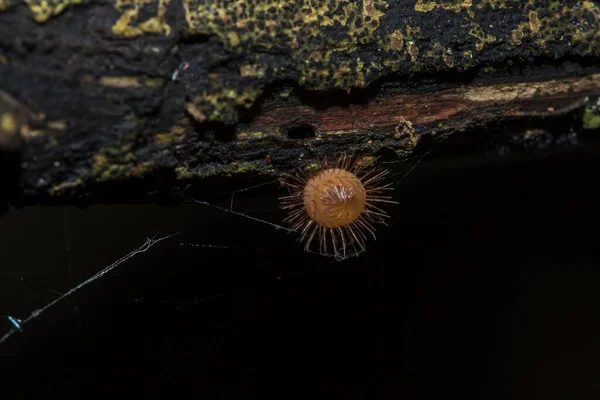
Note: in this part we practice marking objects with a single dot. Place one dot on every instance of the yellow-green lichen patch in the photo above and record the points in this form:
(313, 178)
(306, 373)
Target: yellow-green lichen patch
(591, 118)
(448, 58)
(10, 127)
(4, 4)
(412, 34)
(235, 168)
(128, 25)
(42, 10)
(105, 170)
(495, 4)
(221, 105)
(366, 162)
(275, 23)
(119, 81)
(119, 172)
(557, 22)
(400, 43)
(482, 38)
(534, 22)
(405, 134)
(396, 40)
(8, 123)
(117, 160)
(243, 167)
(182, 173)
(129, 81)
(313, 167)
(254, 135)
(66, 187)
(322, 41)
(195, 112)
(112, 163)
(175, 135)
(254, 70)
(302, 28)
(16, 122)
(456, 5)
(545, 21)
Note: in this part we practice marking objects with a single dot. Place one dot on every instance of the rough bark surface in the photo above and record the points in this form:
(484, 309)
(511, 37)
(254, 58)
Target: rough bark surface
(124, 99)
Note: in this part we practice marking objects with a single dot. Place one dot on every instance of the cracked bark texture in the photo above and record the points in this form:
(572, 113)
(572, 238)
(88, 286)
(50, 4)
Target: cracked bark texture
(132, 100)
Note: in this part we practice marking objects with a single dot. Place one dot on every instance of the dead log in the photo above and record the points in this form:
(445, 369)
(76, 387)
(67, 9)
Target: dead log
(132, 100)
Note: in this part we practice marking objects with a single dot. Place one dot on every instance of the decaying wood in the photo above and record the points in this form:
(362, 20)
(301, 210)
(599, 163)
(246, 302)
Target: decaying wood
(121, 100)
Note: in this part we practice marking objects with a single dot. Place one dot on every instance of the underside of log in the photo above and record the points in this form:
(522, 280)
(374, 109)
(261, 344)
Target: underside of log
(125, 100)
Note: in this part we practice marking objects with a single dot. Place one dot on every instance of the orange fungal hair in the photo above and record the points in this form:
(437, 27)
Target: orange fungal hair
(337, 205)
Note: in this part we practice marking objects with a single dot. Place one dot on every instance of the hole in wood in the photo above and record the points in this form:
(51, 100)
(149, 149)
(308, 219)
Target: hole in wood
(304, 131)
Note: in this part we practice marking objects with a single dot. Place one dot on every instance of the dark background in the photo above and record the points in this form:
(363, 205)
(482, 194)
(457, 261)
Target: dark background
(485, 286)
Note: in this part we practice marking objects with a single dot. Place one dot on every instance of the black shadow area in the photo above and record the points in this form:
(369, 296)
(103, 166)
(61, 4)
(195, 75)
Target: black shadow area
(484, 285)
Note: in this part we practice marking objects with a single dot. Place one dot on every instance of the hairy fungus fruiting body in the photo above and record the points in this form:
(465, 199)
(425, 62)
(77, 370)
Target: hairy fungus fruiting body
(337, 205)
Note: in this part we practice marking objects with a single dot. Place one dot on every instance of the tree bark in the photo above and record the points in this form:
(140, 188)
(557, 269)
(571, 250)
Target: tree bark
(130, 100)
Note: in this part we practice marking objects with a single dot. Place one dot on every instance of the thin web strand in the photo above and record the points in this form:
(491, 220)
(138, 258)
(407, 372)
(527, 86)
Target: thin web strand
(246, 189)
(192, 200)
(142, 249)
